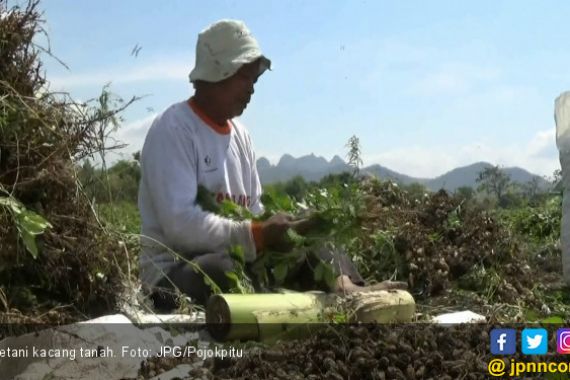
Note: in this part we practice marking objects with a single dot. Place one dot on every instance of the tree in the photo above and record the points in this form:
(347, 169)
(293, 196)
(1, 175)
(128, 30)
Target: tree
(338, 179)
(556, 176)
(556, 181)
(354, 154)
(117, 183)
(465, 192)
(296, 187)
(124, 178)
(494, 181)
(533, 192)
(90, 178)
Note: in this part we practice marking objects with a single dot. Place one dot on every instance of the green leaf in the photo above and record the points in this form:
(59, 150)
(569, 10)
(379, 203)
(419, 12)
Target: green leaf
(232, 210)
(328, 275)
(28, 223)
(236, 253)
(206, 200)
(30, 242)
(235, 282)
(228, 208)
(32, 222)
(322, 222)
(553, 319)
(295, 237)
(453, 219)
(11, 203)
(212, 285)
(352, 210)
(275, 202)
(319, 272)
(280, 272)
(268, 201)
(340, 318)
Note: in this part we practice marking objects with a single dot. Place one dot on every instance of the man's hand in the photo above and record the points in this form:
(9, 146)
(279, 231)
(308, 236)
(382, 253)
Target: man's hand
(302, 226)
(274, 233)
(313, 224)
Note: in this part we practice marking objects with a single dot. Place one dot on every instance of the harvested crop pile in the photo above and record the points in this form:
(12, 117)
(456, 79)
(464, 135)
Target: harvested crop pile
(437, 239)
(370, 352)
(53, 251)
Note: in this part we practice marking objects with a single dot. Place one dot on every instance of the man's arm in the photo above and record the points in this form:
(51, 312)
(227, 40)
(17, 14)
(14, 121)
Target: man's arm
(256, 206)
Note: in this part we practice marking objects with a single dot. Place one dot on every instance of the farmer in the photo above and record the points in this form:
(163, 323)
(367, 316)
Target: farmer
(199, 142)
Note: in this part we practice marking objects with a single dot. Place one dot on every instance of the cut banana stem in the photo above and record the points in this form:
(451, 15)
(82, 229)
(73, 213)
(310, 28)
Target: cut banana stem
(265, 316)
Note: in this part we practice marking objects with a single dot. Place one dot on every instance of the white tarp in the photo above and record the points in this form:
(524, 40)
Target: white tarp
(466, 316)
(109, 347)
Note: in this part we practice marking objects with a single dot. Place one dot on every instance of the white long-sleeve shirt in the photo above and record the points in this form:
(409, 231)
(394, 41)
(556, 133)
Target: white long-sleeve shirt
(181, 151)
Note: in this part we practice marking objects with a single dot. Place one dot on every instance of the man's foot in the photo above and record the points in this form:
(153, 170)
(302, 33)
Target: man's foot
(345, 285)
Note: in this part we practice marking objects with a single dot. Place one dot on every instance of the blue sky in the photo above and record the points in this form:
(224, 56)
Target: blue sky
(426, 86)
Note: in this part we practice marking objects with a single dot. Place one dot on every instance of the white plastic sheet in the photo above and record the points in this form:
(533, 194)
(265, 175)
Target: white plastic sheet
(466, 316)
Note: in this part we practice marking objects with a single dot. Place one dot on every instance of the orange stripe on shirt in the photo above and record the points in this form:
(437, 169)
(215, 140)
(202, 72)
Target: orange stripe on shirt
(221, 129)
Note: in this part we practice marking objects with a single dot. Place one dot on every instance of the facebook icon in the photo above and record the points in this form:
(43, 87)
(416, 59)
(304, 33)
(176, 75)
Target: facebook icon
(503, 341)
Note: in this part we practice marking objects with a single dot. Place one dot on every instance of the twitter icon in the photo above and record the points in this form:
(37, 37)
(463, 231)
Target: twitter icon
(534, 341)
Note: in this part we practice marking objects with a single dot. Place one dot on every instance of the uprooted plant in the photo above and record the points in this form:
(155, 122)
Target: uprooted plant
(70, 259)
(334, 216)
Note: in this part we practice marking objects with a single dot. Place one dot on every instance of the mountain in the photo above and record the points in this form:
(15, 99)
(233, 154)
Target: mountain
(263, 164)
(467, 176)
(382, 172)
(310, 167)
(313, 168)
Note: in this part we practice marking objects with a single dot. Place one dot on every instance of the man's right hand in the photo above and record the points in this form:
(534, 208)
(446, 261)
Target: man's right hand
(273, 233)
(314, 224)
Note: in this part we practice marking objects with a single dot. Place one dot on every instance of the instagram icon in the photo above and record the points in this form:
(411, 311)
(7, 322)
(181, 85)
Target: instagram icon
(563, 341)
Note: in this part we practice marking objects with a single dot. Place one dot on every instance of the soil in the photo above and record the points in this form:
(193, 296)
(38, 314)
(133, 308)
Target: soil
(392, 352)
(371, 352)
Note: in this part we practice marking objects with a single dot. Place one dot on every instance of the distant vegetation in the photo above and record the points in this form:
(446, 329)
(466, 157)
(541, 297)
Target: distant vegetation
(314, 168)
(119, 183)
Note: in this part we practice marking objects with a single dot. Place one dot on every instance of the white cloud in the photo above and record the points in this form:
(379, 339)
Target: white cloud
(132, 134)
(413, 161)
(543, 144)
(163, 69)
(539, 156)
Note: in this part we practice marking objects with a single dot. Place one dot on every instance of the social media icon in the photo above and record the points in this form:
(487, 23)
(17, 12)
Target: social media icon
(563, 341)
(504, 341)
(534, 341)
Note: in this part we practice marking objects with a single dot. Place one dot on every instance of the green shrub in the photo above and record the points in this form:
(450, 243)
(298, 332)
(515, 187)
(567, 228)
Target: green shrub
(538, 223)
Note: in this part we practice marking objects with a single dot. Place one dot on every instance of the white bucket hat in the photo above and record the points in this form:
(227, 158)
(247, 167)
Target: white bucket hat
(223, 48)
